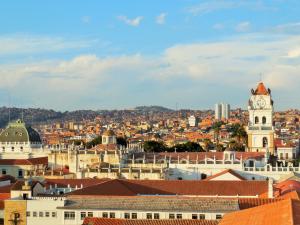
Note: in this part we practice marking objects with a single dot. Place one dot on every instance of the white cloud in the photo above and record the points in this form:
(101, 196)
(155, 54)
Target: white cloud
(161, 18)
(214, 67)
(211, 6)
(132, 22)
(216, 5)
(218, 26)
(289, 28)
(294, 53)
(25, 43)
(243, 26)
(86, 19)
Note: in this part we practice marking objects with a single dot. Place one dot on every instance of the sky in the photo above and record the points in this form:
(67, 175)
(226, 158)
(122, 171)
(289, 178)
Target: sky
(91, 54)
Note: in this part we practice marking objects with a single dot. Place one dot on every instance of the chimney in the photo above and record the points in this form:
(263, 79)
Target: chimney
(270, 188)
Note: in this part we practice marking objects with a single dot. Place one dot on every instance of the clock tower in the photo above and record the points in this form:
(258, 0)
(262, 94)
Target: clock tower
(260, 128)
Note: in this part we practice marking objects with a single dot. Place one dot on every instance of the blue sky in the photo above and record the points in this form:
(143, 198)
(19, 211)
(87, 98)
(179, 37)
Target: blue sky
(92, 54)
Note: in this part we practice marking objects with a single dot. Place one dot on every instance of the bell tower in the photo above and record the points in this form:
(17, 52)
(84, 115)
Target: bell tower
(260, 128)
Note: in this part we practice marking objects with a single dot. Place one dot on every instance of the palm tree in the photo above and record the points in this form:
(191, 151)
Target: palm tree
(207, 143)
(238, 132)
(216, 128)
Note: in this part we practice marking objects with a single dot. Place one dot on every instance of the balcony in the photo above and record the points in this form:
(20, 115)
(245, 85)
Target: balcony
(260, 128)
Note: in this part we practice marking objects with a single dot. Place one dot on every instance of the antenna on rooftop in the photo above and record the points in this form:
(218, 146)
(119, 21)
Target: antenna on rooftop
(22, 115)
(9, 105)
(260, 77)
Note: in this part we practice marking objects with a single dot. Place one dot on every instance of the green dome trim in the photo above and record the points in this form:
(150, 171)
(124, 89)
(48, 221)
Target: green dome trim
(19, 132)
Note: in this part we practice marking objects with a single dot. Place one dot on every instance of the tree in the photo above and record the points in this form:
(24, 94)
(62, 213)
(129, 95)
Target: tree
(234, 145)
(94, 142)
(77, 142)
(154, 146)
(216, 128)
(121, 141)
(239, 133)
(187, 147)
(207, 144)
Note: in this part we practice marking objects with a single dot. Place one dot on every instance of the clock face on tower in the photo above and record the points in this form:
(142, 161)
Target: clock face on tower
(260, 103)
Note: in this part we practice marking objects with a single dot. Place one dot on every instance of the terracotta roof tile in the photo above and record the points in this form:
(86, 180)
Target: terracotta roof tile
(199, 155)
(175, 187)
(246, 203)
(63, 183)
(261, 89)
(224, 172)
(105, 221)
(32, 161)
(285, 212)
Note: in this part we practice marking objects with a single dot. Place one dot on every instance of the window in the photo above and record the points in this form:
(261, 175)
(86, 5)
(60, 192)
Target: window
(21, 148)
(82, 215)
(12, 149)
(90, 214)
(281, 155)
(264, 120)
(25, 196)
(47, 214)
(104, 215)
(112, 215)
(3, 171)
(20, 173)
(28, 214)
(294, 155)
(69, 215)
(41, 214)
(202, 216)
(156, 216)
(171, 216)
(286, 155)
(218, 216)
(34, 214)
(194, 216)
(149, 216)
(3, 149)
(179, 216)
(265, 142)
(133, 215)
(53, 214)
(126, 215)
(256, 120)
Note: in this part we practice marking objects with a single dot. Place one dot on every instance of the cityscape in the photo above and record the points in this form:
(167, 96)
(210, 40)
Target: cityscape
(102, 129)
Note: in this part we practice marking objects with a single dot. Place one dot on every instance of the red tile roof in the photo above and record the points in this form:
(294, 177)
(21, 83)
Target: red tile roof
(279, 143)
(200, 155)
(175, 187)
(7, 177)
(63, 183)
(261, 89)
(1, 204)
(106, 221)
(246, 203)
(224, 172)
(285, 212)
(291, 195)
(20, 183)
(32, 161)
(5, 189)
(287, 186)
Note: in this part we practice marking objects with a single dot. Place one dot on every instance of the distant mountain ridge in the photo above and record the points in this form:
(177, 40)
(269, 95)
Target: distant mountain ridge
(153, 108)
(37, 115)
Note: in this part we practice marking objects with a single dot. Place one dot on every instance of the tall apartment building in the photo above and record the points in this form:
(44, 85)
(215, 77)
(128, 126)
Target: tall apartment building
(222, 111)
